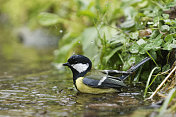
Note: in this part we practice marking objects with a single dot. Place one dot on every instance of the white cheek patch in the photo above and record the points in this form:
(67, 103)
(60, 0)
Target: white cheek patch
(80, 67)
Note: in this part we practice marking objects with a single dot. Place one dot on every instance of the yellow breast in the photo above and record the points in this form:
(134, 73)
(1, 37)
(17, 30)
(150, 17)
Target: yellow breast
(86, 89)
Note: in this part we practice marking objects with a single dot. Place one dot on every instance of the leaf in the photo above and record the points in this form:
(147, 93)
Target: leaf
(120, 38)
(169, 38)
(165, 16)
(87, 13)
(130, 12)
(89, 42)
(154, 34)
(134, 35)
(154, 43)
(63, 52)
(165, 67)
(129, 63)
(168, 21)
(47, 19)
(165, 28)
(159, 37)
(149, 46)
(169, 46)
(134, 48)
(141, 49)
(141, 42)
(117, 40)
(128, 24)
(106, 58)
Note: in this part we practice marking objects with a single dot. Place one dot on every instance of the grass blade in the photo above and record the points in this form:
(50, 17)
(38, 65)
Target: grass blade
(169, 98)
(152, 58)
(162, 83)
(148, 81)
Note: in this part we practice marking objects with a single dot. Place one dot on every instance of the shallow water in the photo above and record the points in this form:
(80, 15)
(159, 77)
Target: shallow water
(31, 86)
(52, 94)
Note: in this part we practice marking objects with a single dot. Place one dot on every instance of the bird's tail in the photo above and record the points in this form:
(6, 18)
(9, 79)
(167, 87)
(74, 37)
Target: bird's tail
(135, 67)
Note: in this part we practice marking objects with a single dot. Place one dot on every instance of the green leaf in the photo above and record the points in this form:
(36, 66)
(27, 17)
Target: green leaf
(165, 16)
(117, 40)
(141, 49)
(129, 63)
(63, 52)
(87, 13)
(47, 19)
(154, 43)
(149, 46)
(165, 67)
(120, 38)
(154, 34)
(168, 21)
(89, 41)
(134, 35)
(106, 58)
(170, 42)
(134, 48)
(141, 42)
(169, 38)
(165, 28)
(159, 37)
(169, 46)
(128, 24)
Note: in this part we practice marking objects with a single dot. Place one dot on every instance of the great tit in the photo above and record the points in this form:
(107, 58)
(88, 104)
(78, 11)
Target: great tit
(97, 81)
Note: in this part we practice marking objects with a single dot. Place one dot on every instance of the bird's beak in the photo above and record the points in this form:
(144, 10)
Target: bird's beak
(66, 64)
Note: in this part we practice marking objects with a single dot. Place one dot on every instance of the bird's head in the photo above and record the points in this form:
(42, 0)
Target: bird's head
(79, 65)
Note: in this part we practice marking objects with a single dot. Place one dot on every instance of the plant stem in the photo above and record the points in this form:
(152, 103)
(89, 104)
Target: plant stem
(157, 89)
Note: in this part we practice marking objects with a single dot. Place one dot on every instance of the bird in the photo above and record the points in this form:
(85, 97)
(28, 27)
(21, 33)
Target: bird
(88, 80)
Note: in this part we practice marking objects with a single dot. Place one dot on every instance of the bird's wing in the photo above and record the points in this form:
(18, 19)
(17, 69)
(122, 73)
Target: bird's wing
(101, 80)
(106, 79)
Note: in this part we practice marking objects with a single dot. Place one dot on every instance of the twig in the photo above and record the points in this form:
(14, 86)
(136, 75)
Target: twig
(162, 95)
(157, 89)
(163, 73)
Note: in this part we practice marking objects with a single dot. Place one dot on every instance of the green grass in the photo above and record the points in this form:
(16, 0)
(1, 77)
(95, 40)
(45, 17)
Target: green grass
(169, 98)
(148, 84)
